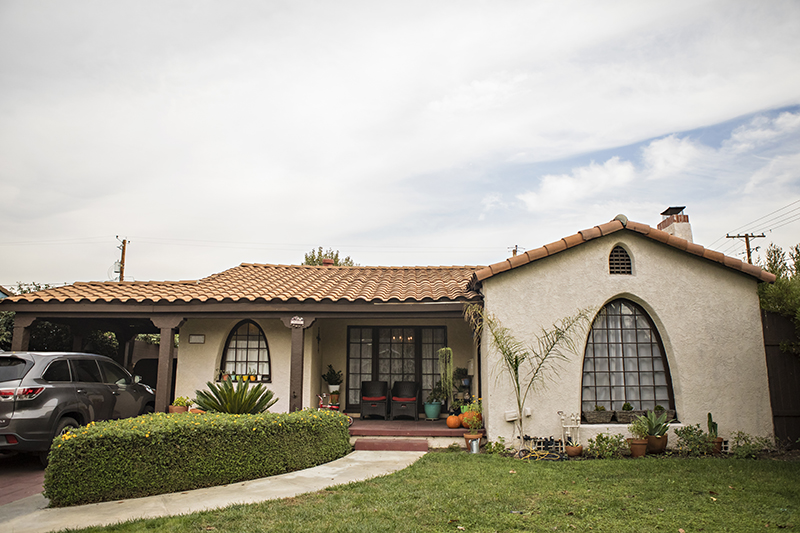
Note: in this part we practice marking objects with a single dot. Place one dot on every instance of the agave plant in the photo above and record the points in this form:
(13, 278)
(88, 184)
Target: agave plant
(240, 399)
(657, 425)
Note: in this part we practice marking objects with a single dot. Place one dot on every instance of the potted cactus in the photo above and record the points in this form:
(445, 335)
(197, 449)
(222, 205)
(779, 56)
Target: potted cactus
(713, 435)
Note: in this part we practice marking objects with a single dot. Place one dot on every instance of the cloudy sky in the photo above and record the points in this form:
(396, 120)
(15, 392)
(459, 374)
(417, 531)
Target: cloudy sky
(401, 133)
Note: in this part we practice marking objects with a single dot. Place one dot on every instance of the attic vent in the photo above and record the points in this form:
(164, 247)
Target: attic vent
(619, 262)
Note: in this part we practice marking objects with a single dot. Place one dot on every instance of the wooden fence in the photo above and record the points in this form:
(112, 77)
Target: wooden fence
(784, 377)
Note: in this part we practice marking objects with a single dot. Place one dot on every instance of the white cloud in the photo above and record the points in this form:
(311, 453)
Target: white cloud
(594, 181)
(325, 123)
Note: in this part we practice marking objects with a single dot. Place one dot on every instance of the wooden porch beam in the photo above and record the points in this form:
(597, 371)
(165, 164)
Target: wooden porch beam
(298, 325)
(167, 325)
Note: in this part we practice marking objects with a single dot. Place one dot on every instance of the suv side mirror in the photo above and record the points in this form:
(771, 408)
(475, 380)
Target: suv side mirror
(137, 379)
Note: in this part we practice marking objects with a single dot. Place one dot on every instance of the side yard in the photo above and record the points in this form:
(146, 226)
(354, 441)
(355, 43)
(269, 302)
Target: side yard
(461, 492)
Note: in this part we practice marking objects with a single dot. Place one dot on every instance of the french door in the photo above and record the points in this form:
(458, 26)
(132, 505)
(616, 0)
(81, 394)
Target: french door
(392, 354)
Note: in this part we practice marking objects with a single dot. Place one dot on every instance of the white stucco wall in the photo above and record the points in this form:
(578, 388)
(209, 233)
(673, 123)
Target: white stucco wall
(197, 363)
(707, 315)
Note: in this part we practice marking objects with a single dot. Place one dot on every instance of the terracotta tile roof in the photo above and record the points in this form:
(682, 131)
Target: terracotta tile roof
(614, 226)
(257, 282)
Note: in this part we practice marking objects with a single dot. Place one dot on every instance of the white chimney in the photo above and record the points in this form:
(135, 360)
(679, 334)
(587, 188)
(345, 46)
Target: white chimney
(674, 222)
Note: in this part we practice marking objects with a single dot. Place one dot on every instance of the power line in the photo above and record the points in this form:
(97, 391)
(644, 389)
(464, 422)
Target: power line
(768, 214)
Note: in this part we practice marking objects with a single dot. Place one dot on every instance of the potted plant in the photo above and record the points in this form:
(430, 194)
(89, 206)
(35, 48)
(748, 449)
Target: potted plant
(446, 373)
(470, 411)
(573, 448)
(657, 426)
(627, 414)
(333, 378)
(598, 416)
(669, 412)
(180, 404)
(433, 406)
(474, 422)
(638, 444)
(713, 436)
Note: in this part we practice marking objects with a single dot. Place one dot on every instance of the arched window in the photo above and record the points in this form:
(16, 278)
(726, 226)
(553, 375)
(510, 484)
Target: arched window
(619, 262)
(625, 361)
(246, 351)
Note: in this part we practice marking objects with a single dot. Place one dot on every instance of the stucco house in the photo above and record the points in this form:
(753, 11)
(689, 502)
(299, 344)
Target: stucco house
(675, 325)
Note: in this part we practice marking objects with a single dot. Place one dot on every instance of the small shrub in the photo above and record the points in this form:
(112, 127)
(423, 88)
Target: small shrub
(693, 441)
(744, 446)
(498, 447)
(606, 446)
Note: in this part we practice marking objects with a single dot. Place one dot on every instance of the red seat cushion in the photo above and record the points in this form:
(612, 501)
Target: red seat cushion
(398, 399)
(373, 398)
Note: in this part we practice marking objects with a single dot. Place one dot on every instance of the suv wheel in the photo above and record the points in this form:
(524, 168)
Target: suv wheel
(64, 425)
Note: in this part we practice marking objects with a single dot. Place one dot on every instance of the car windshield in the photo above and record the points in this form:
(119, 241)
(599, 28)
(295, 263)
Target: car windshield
(11, 368)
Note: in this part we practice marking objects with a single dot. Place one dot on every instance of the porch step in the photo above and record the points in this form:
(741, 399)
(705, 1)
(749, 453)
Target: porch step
(396, 445)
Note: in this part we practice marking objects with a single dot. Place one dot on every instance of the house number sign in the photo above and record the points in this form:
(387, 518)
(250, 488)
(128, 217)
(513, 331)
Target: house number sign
(297, 321)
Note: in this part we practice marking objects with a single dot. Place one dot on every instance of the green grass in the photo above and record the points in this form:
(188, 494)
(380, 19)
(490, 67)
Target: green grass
(443, 491)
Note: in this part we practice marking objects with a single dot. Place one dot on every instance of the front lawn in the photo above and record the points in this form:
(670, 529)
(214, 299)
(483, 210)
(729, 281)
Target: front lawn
(462, 492)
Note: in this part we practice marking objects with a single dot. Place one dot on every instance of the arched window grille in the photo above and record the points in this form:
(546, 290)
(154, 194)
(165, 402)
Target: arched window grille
(624, 361)
(619, 262)
(247, 352)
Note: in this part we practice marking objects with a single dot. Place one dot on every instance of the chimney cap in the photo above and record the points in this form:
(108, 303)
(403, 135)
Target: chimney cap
(674, 211)
(327, 262)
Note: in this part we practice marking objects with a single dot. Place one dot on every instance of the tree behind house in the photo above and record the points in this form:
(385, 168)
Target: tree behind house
(783, 296)
(315, 257)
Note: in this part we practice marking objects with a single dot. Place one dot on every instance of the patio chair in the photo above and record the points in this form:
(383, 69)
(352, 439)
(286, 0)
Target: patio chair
(405, 399)
(373, 399)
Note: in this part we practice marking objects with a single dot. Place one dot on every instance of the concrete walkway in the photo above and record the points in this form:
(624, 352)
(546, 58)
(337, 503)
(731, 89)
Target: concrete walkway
(30, 515)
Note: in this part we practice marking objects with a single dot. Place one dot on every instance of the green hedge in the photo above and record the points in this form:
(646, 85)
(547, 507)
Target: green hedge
(162, 453)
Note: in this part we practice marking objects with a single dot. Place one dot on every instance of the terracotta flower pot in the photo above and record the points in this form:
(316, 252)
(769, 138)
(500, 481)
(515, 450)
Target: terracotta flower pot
(717, 449)
(469, 437)
(574, 451)
(638, 447)
(178, 408)
(657, 444)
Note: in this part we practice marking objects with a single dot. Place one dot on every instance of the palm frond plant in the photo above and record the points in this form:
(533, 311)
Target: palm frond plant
(528, 365)
(240, 399)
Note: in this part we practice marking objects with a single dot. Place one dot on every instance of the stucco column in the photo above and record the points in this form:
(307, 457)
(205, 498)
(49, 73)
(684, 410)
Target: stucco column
(167, 324)
(298, 325)
(21, 339)
(78, 334)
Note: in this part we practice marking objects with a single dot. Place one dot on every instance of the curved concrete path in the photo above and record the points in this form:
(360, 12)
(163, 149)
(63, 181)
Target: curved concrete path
(30, 515)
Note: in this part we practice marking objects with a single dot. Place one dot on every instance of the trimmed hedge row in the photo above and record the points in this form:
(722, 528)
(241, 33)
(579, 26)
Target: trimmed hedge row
(161, 453)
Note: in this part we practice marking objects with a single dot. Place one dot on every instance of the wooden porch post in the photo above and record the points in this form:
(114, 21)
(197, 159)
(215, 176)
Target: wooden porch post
(298, 325)
(78, 335)
(167, 325)
(21, 339)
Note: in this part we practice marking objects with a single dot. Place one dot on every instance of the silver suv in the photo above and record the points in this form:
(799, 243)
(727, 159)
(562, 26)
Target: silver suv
(43, 394)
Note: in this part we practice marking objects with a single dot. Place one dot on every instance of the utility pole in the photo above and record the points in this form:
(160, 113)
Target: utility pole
(123, 247)
(746, 237)
(515, 250)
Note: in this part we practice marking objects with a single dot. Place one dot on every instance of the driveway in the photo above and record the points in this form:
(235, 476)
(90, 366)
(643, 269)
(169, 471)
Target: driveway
(20, 476)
